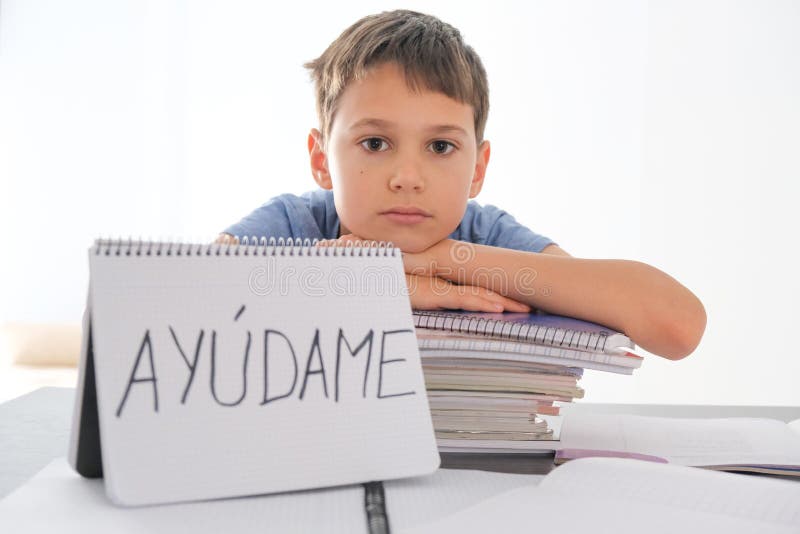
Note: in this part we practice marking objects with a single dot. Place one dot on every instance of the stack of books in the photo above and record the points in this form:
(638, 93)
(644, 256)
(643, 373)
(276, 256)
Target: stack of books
(495, 379)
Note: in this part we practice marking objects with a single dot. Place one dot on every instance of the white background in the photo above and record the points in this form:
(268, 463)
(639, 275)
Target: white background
(661, 131)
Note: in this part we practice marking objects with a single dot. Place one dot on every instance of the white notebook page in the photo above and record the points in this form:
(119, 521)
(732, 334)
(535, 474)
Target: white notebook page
(618, 496)
(220, 376)
(686, 441)
(415, 501)
(58, 500)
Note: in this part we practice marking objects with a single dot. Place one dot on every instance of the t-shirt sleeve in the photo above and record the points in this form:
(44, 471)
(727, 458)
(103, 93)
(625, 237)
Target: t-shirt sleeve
(498, 228)
(269, 219)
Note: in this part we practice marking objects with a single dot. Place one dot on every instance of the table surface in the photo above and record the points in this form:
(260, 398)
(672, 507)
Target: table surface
(34, 430)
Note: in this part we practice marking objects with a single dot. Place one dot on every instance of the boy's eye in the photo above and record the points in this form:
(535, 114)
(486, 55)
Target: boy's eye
(442, 147)
(374, 144)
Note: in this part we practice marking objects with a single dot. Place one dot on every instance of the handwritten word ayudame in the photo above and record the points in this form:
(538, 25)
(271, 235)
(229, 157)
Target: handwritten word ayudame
(308, 363)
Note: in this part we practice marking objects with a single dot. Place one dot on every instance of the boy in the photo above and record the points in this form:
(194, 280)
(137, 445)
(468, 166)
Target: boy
(402, 103)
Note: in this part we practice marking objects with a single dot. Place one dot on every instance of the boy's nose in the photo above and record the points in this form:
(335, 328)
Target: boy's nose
(407, 176)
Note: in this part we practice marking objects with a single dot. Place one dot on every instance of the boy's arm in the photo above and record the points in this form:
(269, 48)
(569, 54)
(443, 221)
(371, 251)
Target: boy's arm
(652, 308)
(555, 250)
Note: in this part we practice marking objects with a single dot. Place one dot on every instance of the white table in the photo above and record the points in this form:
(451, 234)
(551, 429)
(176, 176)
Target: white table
(34, 429)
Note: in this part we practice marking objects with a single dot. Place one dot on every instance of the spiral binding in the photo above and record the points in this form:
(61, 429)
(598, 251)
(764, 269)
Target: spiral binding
(252, 246)
(518, 332)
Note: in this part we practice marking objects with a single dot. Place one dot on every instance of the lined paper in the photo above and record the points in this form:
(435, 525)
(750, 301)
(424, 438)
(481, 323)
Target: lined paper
(415, 501)
(686, 441)
(618, 496)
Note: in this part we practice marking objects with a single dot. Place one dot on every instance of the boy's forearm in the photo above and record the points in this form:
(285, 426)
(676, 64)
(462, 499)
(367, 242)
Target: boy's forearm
(652, 308)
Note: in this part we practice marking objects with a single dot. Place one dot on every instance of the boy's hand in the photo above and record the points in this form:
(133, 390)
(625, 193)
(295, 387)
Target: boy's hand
(339, 242)
(428, 292)
(430, 261)
(433, 293)
(423, 263)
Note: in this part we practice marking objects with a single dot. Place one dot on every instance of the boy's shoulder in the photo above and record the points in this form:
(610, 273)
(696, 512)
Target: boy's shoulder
(478, 219)
(476, 209)
(309, 215)
(308, 199)
(320, 203)
(309, 211)
(490, 225)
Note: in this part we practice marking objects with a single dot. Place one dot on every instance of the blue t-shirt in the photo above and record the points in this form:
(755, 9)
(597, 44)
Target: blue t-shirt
(313, 215)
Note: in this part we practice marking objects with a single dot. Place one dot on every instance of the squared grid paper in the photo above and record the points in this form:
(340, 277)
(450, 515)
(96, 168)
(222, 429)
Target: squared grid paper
(201, 450)
(79, 505)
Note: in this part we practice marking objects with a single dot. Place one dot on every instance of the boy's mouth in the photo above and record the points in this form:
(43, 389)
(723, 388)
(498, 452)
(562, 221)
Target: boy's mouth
(406, 214)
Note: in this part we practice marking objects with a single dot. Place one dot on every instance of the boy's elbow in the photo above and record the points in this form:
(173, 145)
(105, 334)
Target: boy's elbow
(673, 319)
(685, 330)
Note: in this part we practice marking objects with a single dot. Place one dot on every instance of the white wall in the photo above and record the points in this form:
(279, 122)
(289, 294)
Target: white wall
(659, 131)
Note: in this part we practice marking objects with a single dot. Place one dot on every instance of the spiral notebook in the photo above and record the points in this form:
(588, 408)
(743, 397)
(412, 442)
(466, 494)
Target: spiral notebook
(535, 327)
(438, 344)
(222, 370)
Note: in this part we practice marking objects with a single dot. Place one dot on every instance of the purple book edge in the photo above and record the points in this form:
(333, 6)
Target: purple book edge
(574, 454)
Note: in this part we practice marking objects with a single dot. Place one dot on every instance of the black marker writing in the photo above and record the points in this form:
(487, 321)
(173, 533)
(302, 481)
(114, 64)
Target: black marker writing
(152, 378)
(193, 365)
(267, 399)
(314, 348)
(284, 377)
(244, 365)
(384, 362)
(368, 338)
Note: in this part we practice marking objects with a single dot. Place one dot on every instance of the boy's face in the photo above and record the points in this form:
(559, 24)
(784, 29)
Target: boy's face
(392, 150)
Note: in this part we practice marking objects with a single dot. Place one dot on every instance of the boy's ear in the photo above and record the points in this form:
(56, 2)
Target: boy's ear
(319, 160)
(481, 162)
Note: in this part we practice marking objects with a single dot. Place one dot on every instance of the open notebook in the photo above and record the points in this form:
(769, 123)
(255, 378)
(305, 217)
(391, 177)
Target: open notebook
(728, 444)
(623, 496)
(590, 495)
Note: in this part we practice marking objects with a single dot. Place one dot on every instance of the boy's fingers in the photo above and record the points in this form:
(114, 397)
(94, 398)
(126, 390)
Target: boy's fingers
(438, 293)
(480, 297)
(350, 237)
(338, 242)
(514, 305)
(464, 299)
(468, 305)
(508, 304)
